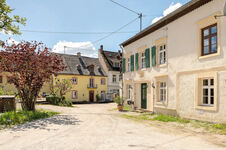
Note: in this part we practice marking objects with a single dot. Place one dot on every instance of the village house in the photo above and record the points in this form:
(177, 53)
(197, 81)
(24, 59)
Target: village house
(110, 62)
(87, 76)
(177, 65)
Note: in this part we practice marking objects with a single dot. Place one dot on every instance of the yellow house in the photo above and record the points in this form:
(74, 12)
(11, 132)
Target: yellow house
(88, 78)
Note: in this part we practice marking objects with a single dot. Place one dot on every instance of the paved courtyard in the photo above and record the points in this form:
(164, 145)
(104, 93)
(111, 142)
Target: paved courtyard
(94, 127)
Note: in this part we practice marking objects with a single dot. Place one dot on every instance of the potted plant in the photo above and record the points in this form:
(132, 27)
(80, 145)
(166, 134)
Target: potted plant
(119, 101)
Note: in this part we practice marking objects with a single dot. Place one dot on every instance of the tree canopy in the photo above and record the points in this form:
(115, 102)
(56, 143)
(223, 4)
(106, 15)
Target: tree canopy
(9, 24)
(30, 64)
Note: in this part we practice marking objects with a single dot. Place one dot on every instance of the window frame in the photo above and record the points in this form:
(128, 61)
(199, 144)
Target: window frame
(93, 85)
(209, 37)
(164, 88)
(128, 65)
(114, 81)
(209, 87)
(143, 60)
(162, 51)
(73, 80)
(102, 83)
(73, 94)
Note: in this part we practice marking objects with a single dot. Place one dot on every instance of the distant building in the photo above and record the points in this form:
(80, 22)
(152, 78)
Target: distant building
(87, 76)
(110, 62)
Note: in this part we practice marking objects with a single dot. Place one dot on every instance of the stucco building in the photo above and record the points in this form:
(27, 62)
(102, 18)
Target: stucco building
(178, 64)
(87, 76)
(110, 62)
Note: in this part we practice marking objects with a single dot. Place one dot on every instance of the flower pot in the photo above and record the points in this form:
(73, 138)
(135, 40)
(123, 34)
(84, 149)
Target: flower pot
(120, 107)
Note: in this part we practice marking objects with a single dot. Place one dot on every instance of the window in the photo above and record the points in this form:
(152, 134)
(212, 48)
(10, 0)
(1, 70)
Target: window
(128, 65)
(162, 54)
(102, 95)
(74, 94)
(209, 40)
(207, 92)
(102, 81)
(143, 61)
(114, 80)
(74, 80)
(116, 64)
(162, 91)
(91, 82)
(1, 79)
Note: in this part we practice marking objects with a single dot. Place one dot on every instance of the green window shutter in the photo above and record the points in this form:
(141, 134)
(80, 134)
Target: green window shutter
(153, 54)
(137, 59)
(123, 65)
(132, 62)
(147, 57)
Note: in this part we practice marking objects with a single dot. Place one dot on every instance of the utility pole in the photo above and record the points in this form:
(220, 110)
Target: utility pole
(140, 16)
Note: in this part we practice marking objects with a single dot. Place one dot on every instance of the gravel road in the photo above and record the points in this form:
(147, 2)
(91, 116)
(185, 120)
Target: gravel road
(94, 127)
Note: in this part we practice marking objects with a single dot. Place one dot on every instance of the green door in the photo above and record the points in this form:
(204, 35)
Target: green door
(144, 96)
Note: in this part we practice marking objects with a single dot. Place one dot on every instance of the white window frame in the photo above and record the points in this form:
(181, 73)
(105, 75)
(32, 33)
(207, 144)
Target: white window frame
(164, 94)
(162, 52)
(209, 87)
(114, 78)
(143, 61)
(128, 65)
(73, 95)
(91, 80)
(74, 80)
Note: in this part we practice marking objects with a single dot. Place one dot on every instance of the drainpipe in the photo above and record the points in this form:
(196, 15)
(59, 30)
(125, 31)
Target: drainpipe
(122, 71)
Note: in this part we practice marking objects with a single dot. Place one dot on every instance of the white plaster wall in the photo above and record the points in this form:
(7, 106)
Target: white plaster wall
(183, 48)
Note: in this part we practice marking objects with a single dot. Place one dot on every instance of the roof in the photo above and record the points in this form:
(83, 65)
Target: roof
(185, 9)
(80, 65)
(110, 58)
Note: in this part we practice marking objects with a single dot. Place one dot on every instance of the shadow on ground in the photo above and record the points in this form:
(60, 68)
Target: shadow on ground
(44, 123)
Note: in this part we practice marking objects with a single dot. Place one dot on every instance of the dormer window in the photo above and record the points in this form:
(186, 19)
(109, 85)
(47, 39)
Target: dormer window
(91, 69)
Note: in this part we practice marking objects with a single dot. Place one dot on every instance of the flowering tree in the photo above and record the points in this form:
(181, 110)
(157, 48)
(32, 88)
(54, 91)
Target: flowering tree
(31, 65)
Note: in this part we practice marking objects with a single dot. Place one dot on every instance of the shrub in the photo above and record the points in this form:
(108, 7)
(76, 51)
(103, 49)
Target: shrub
(56, 101)
(119, 100)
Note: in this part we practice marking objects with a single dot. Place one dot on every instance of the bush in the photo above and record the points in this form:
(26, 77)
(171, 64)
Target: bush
(56, 101)
(119, 100)
(13, 117)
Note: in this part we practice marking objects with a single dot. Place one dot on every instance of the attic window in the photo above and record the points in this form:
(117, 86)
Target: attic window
(91, 67)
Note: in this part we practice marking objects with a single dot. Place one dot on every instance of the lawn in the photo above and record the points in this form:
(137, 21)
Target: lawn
(210, 127)
(19, 117)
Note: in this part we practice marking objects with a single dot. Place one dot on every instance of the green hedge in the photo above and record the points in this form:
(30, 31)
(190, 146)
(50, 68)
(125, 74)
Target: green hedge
(55, 101)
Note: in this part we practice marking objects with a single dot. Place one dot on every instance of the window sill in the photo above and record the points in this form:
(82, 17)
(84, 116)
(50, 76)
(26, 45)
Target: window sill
(161, 103)
(209, 56)
(206, 107)
(162, 65)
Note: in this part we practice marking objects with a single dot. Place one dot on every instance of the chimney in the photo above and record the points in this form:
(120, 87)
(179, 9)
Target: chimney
(79, 54)
(101, 48)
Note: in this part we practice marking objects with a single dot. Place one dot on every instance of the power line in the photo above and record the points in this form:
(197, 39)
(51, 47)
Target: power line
(116, 31)
(125, 7)
(140, 15)
(79, 33)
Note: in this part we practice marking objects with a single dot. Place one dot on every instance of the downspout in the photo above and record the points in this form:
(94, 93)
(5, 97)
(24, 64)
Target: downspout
(122, 70)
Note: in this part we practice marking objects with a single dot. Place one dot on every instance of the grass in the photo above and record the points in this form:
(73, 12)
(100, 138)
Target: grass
(210, 127)
(19, 117)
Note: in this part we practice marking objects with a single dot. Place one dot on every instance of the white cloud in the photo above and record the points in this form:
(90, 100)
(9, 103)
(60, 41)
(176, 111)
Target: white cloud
(86, 48)
(171, 8)
(12, 41)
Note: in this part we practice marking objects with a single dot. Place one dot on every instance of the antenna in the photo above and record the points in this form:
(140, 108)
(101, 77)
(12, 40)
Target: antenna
(224, 12)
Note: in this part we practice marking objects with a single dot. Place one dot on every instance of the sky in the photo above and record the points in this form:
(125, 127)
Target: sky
(98, 17)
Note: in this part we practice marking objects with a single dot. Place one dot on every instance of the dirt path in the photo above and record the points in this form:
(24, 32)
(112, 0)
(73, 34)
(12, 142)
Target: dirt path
(94, 127)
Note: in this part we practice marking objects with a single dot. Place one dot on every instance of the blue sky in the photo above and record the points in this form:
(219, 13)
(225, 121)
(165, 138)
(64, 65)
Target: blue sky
(84, 16)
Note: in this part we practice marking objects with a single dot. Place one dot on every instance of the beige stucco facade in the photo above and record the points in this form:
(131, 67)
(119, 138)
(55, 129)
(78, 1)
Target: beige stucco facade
(184, 66)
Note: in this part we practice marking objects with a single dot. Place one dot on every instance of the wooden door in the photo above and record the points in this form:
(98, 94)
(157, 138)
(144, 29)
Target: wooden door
(91, 96)
(144, 96)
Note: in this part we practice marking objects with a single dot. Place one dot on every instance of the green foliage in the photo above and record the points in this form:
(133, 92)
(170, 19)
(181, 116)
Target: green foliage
(7, 23)
(98, 97)
(61, 88)
(168, 118)
(13, 117)
(56, 101)
(119, 100)
(2, 92)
